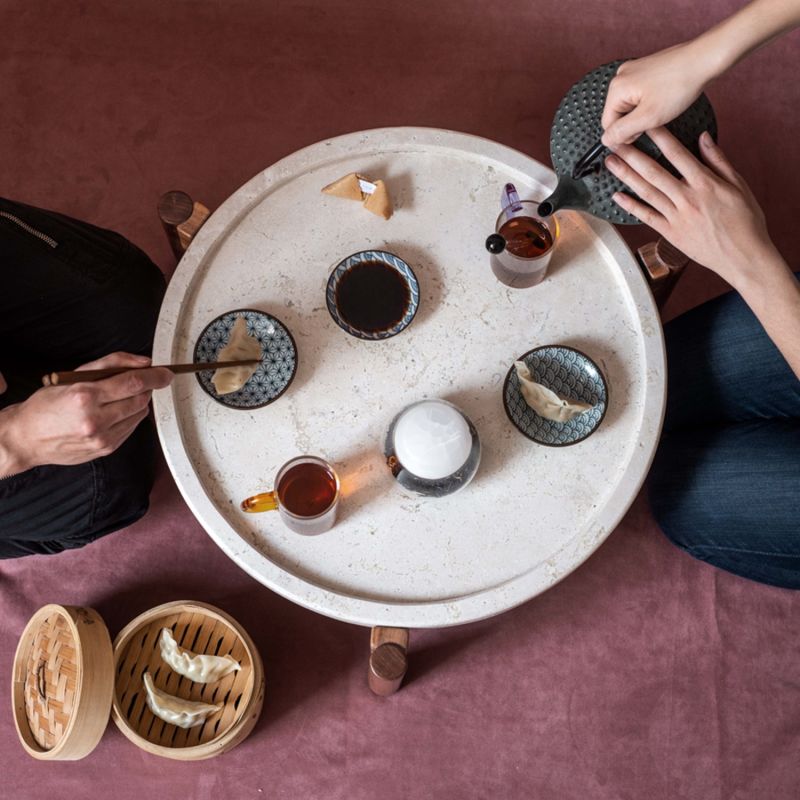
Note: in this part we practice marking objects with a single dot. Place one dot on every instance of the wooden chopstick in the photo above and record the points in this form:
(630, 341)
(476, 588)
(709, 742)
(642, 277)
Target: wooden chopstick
(82, 375)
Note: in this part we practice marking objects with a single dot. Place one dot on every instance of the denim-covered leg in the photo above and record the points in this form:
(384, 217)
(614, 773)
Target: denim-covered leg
(724, 368)
(731, 496)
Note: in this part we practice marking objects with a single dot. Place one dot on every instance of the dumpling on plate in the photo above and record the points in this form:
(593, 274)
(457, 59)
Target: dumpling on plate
(545, 402)
(240, 346)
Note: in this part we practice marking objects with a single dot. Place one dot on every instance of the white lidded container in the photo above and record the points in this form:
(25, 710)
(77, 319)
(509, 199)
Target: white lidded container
(432, 448)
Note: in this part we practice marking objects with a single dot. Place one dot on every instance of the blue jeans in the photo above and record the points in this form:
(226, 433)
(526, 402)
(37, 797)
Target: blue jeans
(725, 483)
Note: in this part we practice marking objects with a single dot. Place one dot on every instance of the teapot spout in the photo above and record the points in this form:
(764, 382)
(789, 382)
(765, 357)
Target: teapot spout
(569, 193)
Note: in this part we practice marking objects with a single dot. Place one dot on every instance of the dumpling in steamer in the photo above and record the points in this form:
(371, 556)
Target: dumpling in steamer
(545, 402)
(199, 668)
(240, 346)
(176, 710)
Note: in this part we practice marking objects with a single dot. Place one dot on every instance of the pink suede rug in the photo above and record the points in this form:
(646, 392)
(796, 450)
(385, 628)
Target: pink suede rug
(644, 674)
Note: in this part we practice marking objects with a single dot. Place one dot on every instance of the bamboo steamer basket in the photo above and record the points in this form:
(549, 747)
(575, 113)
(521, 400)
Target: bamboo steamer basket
(68, 677)
(202, 629)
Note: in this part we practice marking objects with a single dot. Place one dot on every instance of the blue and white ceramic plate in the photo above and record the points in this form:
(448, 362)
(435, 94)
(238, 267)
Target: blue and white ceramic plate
(278, 358)
(391, 260)
(569, 373)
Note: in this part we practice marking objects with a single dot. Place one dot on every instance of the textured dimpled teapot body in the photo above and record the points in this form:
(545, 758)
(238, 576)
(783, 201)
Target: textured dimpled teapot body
(576, 128)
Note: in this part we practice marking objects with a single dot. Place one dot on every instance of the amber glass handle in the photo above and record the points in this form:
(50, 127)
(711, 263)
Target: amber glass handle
(266, 501)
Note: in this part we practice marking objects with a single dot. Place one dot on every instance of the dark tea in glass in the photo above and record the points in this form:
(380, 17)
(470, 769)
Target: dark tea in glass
(529, 243)
(307, 489)
(526, 237)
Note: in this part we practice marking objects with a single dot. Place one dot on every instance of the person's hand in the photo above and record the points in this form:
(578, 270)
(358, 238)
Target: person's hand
(711, 215)
(652, 91)
(3, 384)
(83, 421)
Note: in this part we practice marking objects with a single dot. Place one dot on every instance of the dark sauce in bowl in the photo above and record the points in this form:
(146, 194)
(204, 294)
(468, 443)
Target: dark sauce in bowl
(372, 296)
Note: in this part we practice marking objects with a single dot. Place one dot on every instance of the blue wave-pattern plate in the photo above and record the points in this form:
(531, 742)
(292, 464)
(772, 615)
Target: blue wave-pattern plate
(569, 373)
(278, 358)
(393, 261)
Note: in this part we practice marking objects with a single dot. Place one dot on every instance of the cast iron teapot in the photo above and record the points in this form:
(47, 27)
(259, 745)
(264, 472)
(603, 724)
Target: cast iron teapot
(576, 130)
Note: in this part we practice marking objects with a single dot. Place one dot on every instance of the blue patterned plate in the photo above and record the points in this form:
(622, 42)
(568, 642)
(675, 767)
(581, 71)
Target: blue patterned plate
(569, 373)
(390, 260)
(278, 363)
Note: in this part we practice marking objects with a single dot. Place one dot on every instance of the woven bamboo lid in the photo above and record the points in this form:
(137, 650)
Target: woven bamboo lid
(62, 683)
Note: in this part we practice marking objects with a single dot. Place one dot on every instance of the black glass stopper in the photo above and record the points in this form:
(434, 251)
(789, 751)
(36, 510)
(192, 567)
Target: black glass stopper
(495, 243)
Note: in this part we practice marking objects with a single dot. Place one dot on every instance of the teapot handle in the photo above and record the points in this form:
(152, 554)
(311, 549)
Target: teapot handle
(663, 265)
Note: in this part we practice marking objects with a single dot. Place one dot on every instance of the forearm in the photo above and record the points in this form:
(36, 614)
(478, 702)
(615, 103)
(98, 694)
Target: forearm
(773, 294)
(12, 458)
(731, 40)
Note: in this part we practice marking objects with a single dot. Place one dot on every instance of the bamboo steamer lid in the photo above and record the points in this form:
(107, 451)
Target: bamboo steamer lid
(68, 679)
(62, 683)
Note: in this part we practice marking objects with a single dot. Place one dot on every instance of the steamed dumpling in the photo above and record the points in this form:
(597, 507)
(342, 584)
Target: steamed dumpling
(176, 710)
(199, 668)
(240, 346)
(545, 402)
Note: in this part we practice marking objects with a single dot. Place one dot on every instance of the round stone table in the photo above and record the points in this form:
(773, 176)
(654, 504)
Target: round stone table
(533, 513)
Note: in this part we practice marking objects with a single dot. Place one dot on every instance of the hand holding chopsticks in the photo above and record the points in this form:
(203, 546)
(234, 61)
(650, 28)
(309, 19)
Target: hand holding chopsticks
(83, 375)
(75, 424)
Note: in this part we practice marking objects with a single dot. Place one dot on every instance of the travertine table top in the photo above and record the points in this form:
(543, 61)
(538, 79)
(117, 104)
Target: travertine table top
(532, 513)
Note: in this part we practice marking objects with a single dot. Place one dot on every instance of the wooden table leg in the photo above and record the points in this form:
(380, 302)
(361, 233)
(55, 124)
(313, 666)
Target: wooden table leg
(388, 659)
(663, 264)
(182, 218)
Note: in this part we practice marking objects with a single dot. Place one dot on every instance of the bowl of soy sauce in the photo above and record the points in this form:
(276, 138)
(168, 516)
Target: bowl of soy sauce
(372, 294)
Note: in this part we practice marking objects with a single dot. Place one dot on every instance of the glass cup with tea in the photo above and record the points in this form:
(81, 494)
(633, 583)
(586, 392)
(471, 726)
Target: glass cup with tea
(522, 243)
(306, 496)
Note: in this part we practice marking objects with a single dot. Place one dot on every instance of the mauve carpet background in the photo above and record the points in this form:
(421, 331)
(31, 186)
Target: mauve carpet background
(642, 675)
